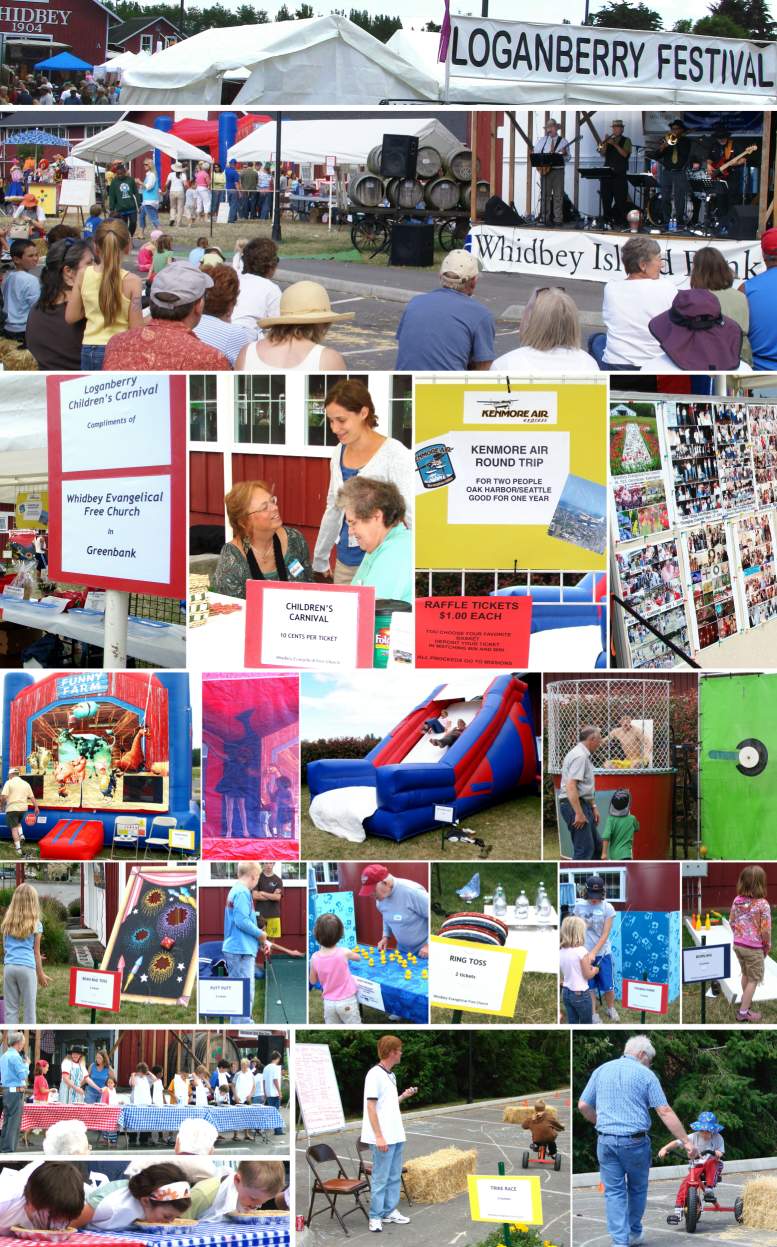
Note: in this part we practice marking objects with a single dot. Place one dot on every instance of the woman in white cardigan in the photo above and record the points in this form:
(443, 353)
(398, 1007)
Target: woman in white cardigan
(360, 449)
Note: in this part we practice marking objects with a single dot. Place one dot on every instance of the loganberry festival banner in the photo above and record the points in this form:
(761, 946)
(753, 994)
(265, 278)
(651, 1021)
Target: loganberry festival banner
(581, 55)
(579, 256)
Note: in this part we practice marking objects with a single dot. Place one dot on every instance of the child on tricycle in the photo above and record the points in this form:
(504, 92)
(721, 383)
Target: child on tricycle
(704, 1173)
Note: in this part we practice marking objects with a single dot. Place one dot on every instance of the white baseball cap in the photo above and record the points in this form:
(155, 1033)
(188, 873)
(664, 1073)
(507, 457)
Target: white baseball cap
(460, 263)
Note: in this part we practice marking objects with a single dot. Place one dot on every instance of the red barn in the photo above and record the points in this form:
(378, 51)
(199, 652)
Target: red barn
(36, 31)
(144, 34)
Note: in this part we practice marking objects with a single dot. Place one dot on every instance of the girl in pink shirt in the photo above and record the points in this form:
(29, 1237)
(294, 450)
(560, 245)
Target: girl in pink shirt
(40, 1086)
(329, 967)
(751, 934)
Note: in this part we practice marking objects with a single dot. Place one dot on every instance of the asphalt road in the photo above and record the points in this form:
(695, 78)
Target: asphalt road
(590, 1227)
(448, 1224)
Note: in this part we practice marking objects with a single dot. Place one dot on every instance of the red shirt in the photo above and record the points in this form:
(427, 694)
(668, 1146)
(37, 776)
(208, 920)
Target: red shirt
(162, 346)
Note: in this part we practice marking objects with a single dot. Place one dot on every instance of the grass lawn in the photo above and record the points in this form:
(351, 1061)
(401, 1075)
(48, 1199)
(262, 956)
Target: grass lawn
(537, 997)
(370, 1017)
(511, 829)
(717, 1009)
(53, 1007)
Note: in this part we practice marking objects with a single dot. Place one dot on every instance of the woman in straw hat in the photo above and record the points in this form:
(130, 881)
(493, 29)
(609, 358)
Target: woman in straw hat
(294, 338)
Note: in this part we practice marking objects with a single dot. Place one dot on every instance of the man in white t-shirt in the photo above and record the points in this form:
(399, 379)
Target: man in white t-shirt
(15, 798)
(382, 1128)
(271, 1079)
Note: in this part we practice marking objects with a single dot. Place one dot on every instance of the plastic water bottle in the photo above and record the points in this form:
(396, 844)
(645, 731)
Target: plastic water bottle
(500, 902)
(540, 894)
(544, 908)
(521, 906)
(673, 225)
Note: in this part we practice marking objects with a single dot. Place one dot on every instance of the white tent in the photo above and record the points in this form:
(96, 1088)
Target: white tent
(23, 456)
(126, 140)
(349, 140)
(117, 64)
(314, 61)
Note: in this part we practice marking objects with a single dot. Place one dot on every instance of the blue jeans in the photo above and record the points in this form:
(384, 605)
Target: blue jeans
(587, 846)
(92, 358)
(13, 1103)
(242, 966)
(624, 1165)
(265, 205)
(274, 1101)
(386, 1180)
(149, 212)
(579, 1005)
(233, 199)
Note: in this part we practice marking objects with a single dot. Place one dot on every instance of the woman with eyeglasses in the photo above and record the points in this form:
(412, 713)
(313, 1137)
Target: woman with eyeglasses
(262, 548)
(549, 339)
(53, 342)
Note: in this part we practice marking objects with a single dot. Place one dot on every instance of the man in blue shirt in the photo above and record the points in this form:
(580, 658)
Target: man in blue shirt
(14, 1070)
(446, 330)
(243, 937)
(617, 1100)
(761, 292)
(232, 184)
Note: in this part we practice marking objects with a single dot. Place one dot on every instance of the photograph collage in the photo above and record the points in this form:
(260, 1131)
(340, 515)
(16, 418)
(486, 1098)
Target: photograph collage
(400, 736)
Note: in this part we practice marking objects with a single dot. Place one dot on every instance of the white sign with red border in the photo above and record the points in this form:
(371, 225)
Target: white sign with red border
(319, 627)
(647, 997)
(95, 989)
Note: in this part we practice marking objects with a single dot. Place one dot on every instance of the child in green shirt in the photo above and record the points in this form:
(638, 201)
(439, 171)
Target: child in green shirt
(620, 828)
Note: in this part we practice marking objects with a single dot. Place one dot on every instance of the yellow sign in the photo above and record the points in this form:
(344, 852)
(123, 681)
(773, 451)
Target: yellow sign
(32, 508)
(495, 477)
(504, 1200)
(475, 977)
(46, 195)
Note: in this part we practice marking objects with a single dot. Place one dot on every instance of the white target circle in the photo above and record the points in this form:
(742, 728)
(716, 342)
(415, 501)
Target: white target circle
(748, 757)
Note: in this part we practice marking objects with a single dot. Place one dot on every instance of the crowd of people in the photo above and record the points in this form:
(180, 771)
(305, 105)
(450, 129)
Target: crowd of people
(37, 88)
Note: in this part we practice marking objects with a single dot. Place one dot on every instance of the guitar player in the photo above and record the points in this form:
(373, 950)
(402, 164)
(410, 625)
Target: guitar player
(720, 162)
(552, 178)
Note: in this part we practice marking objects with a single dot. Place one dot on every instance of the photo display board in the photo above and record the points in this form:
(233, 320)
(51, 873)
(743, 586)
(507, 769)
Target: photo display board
(650, 580)
(713, 592)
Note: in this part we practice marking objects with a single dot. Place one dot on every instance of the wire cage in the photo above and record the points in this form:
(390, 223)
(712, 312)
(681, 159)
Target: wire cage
(632, 715)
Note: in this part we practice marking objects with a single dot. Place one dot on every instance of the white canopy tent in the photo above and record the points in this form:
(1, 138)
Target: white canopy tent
(314, 61)
(127, 139)
(23, 458)
(349, 140)
(117, 64)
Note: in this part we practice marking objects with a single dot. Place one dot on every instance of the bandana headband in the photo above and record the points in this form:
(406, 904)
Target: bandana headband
(173, 1190)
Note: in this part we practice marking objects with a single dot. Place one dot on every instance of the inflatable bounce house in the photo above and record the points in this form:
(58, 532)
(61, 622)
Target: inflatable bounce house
(108, 755)
(568, 624)
(214, 137)
(393, 792)
(250, 759)
(737, 765)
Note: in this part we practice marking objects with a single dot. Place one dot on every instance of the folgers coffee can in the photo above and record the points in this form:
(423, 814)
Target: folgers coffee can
(435, 466)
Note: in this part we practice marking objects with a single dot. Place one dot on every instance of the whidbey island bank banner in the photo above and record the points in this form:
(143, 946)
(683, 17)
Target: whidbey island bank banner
(579, 55)
(581, 256)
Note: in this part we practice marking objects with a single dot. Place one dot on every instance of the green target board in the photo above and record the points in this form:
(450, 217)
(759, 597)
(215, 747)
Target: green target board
(738, 765)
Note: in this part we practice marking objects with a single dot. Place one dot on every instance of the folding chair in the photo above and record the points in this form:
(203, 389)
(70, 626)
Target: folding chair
(365, 1167)
(331, 1188)
(123, 837)
(160, 824)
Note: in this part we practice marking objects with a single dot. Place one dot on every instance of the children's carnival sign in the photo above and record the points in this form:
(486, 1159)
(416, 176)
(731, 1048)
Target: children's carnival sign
(117, 481)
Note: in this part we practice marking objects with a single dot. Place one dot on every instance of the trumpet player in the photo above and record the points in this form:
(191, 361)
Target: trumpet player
(615, 149)
(674, 154)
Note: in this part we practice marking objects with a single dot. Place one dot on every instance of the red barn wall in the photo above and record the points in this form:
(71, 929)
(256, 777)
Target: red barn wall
(206, 488)
(159, 30)
(80, 23)
(720, 886)
(652, 886)
(212, 902)
(369, 924)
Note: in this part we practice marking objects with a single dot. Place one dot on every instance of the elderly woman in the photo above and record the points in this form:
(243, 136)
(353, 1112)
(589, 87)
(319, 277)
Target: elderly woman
(550, 339)
(66, 1138)
(259, 295)
(294, 341)
(349, 408)
(262, 548)
(630, 305)
(712, 271)
(375, 513)
(216, 326)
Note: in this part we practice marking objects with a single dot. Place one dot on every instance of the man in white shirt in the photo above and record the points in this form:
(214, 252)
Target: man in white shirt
(552, 143)
(271, 1078)
(382, 1128)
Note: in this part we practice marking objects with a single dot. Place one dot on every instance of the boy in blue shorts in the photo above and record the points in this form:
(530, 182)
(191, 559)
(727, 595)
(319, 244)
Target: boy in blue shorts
(598, 914)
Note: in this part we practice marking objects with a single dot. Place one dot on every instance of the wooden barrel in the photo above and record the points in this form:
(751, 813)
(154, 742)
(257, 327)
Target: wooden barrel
(366, 190)
(458, 163)
(404, 192)
(442, 194)
(482, 196)
(373, 159)
(429, 162)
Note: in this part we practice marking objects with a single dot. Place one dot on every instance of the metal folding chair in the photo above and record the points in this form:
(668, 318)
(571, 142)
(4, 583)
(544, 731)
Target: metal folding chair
(333, 1188)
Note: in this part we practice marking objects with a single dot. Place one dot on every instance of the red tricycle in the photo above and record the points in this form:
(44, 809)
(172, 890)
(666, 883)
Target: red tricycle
(543, 1157)
(697, 1199)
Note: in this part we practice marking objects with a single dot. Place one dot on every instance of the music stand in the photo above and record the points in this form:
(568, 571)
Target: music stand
(602, 173)
(646, 185)
(539, 160)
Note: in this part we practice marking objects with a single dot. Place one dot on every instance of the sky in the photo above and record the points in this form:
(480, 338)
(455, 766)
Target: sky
(417, 12)
(366, 703)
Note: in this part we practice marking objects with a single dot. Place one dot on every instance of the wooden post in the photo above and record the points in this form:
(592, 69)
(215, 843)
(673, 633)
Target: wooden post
(492, 153)
(529, 170)
(773, 205)
(576, 183)
(763, 183)
(473, 191)
(510, 159)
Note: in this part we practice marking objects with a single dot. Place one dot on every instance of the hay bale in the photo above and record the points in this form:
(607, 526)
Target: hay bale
(760, 1204)
(441, 1176)
(514, 1115)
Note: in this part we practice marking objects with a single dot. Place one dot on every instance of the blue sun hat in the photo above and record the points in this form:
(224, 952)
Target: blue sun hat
(707, 1121)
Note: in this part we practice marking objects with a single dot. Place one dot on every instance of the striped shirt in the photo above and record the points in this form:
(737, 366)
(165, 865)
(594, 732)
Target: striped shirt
(226, 337)
(622, 1092)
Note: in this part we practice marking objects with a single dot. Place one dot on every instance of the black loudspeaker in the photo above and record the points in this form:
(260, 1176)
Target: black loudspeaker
(398, 156)
(742, 222)
(412, 245)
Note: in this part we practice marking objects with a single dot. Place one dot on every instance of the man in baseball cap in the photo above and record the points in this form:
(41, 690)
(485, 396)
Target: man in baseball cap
(167, 342)
(403, 906)
(446, 330)
(598, 915)
(761, 292)
(15, 799)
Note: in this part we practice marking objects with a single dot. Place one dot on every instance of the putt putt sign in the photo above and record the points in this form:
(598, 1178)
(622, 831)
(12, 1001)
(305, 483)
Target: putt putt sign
(117, 481)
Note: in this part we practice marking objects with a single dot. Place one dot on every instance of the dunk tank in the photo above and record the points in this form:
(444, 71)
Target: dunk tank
(108, 755)
(393, 791)
(738, 765)
(635, 753)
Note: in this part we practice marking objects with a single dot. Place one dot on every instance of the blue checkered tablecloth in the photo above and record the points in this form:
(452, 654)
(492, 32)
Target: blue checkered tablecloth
(271, 1231)
(136, 1117)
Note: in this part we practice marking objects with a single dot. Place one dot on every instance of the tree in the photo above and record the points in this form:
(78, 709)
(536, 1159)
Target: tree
(720, 25)
(751, 17)
(684, 26)
(304, 11)
(283, 14)
(382, 26)
(626, 16)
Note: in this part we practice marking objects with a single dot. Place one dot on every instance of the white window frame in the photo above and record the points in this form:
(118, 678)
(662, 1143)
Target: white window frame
(571, 874)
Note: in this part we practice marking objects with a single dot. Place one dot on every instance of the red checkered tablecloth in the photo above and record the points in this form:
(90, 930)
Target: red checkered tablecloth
(104, 1117)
